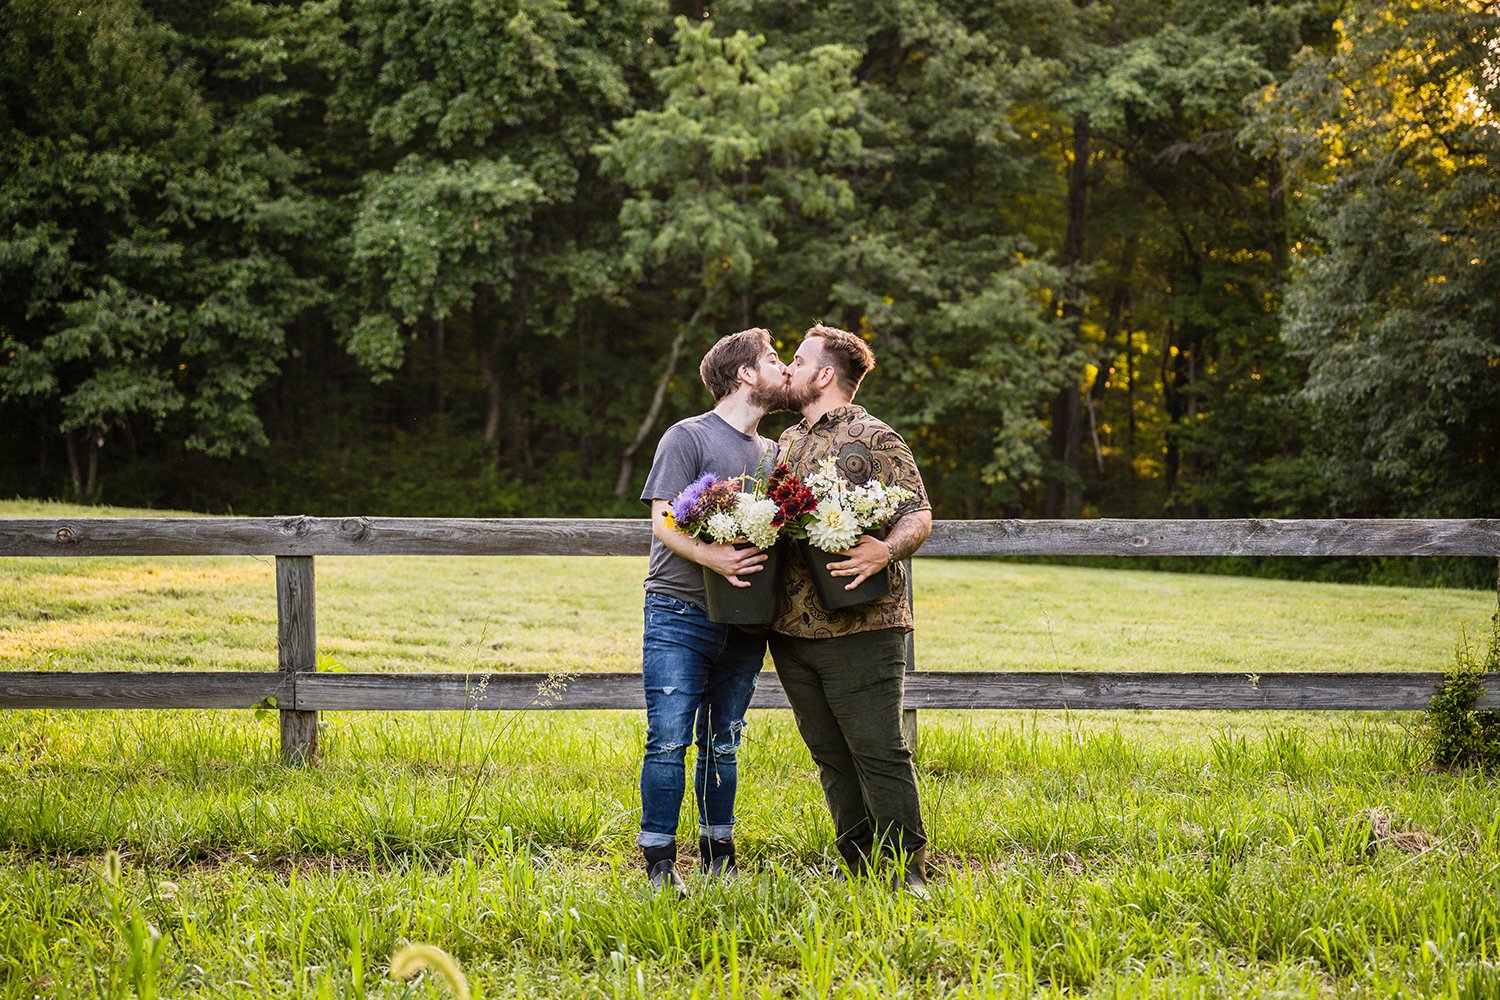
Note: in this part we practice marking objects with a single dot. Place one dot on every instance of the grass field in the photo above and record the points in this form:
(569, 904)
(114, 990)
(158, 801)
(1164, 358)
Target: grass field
(1109, 854)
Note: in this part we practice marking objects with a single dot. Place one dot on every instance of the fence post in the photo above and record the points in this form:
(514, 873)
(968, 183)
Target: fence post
(297, 643)
(909, 715)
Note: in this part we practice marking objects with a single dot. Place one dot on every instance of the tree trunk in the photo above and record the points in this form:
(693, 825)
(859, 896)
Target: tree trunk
(518, 445)
(487, 350)
(627, 457)
(1173, 403)
(95, 444)
(439, 388)
(73, 469)
(1064, 497)
(1119, 300)
(1276, 212)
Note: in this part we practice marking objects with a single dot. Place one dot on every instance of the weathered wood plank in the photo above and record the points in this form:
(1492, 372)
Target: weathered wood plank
(135, 689)
(1303, 690)
(1306, 691)
(483, 692)
(314, 536)
(297, 652)
(1245, 537)
(1192, 691)
(323, 536)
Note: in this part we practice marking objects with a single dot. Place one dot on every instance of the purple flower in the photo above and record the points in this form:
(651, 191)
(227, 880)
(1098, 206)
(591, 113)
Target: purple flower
(682, 507)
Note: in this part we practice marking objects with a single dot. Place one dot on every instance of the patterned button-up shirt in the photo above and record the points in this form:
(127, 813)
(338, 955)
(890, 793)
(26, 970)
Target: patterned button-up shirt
(866, 449)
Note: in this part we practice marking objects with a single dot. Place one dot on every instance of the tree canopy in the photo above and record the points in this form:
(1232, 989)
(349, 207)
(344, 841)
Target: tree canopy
(1130, 257)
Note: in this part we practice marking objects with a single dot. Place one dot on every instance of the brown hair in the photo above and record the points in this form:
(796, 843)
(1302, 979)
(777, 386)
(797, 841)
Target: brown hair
(850, 357)
(721, 366)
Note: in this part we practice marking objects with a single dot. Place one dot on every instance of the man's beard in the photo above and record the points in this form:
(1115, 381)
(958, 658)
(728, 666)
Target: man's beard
(798, 400)
(772, 396)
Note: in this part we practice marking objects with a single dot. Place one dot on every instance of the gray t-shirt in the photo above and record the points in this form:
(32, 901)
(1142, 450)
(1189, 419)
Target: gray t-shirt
(691, 448)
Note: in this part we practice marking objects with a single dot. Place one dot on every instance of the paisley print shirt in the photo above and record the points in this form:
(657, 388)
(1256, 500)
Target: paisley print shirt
(866, 449)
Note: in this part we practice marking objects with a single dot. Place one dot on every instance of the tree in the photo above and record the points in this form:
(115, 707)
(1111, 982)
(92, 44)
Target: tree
(474, 209)
(741, 152)
(1394, 297)
(140, 277)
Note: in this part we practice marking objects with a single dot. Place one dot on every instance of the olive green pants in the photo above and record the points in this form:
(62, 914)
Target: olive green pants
(846, 694)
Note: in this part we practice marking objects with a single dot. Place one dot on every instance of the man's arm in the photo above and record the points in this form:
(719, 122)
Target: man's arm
(872, 555)
(721, 557)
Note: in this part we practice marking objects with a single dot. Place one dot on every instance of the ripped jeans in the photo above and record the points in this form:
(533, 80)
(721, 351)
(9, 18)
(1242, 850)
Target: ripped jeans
(699, 677)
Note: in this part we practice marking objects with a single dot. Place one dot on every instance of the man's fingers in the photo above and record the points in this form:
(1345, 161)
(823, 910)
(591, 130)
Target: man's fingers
(860, 579)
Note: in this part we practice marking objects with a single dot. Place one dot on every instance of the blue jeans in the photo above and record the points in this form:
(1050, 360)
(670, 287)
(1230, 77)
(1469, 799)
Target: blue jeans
(699, 677)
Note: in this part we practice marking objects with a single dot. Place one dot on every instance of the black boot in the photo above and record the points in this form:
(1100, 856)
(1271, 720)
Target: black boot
(856, 858)
(661, 869)
(913, 876)
(717, 857)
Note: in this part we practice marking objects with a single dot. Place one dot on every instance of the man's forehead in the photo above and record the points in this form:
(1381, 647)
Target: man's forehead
(807, 349)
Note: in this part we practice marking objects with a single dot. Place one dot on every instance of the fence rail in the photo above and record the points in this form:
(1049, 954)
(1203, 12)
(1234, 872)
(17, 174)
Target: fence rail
(299, 692)
(410, 536)
(1025, 689)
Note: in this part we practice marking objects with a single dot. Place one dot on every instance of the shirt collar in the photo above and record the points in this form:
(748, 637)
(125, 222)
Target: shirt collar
(849, 411)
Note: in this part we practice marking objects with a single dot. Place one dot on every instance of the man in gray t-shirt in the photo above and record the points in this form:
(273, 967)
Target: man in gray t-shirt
(699, 675)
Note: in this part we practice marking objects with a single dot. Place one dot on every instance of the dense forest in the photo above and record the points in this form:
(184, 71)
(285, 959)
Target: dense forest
(1186, 258)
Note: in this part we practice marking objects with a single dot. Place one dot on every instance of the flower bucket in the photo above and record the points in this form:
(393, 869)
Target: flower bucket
(830, 588)
(752, 605)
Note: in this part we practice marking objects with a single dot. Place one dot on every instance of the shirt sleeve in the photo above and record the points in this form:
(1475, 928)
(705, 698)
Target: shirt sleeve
(896, 467)
(674, 467)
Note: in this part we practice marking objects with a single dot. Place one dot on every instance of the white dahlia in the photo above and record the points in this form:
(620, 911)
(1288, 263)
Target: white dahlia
(832, 528)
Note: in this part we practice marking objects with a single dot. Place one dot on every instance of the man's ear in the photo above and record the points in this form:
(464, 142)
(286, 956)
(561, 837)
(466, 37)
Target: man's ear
(748, 375)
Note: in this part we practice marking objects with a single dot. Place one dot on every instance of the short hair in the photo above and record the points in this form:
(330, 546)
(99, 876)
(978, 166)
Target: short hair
(720, 368)
(849, 355)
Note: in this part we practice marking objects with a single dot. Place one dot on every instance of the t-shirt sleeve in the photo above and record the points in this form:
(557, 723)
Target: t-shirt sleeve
(675, 466)
(768, 453)
(893, 458)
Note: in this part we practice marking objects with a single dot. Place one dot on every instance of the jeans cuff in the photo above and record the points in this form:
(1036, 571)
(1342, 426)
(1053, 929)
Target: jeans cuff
(718, 831)
(647, 839)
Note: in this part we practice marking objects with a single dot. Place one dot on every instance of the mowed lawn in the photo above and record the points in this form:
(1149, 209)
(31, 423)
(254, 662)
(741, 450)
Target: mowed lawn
(1104, 853)
(552, 614)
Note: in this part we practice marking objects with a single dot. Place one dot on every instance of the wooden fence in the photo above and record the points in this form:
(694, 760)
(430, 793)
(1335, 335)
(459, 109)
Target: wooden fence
(299, 692)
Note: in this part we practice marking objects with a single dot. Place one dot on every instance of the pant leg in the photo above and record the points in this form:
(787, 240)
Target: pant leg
(678, 648)
(848, 704)
(720, 727)
(798, 667)
(864, 679)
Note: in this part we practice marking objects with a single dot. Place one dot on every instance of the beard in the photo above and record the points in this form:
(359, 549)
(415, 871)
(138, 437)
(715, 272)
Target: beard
(798, 400)
(771, 396)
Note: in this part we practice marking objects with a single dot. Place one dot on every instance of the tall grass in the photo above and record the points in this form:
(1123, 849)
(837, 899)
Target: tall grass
(1073, 854)
(1124, 854)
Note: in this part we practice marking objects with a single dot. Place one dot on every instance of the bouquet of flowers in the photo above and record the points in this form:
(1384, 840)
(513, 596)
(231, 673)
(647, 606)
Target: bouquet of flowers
(831, 513)
(735, 510)
(721, 510)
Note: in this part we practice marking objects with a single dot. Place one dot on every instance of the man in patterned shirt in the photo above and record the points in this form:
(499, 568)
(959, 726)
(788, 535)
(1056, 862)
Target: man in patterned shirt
(844, 671)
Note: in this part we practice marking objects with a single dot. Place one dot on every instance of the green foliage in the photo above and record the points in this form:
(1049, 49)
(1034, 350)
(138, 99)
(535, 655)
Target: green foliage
(1195, 257)
(428, 236)
(141, 275)
(144, 944)
(739, 149)
(1393, 293)
(1455, 733)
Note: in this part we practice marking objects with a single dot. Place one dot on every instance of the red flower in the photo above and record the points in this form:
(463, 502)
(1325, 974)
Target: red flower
(792, 497)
